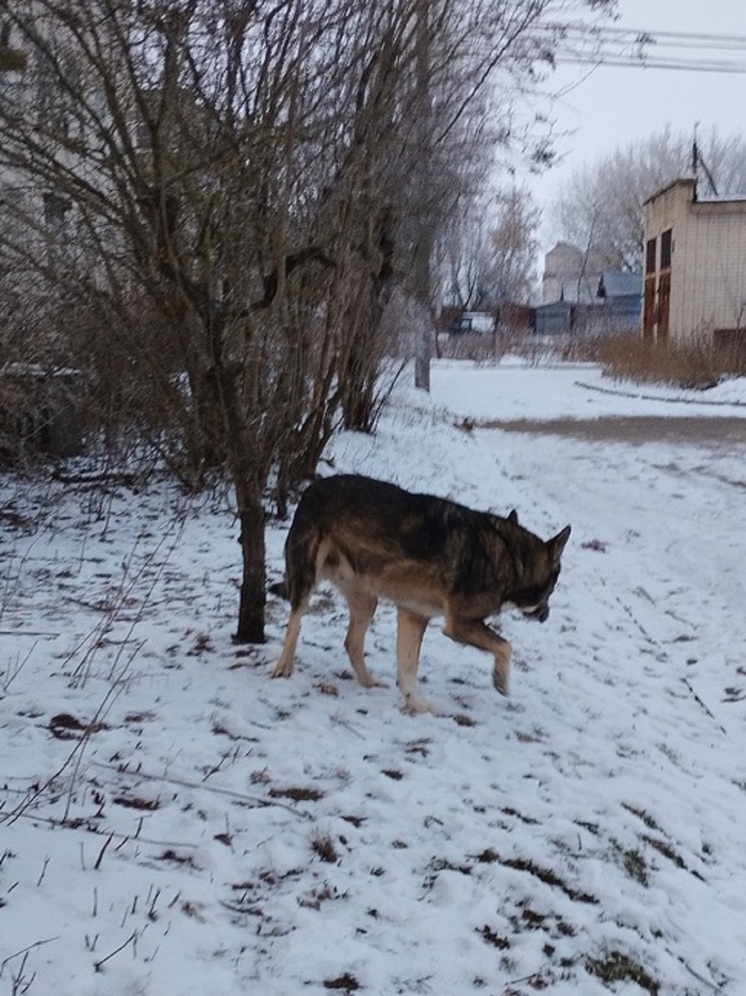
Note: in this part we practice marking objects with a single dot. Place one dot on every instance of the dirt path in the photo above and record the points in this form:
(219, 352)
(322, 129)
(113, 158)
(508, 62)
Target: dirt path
(634, 429)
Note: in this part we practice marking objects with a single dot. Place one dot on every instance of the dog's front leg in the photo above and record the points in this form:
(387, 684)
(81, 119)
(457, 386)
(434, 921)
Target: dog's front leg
(476, 633)
(410, 630)
(501, 667)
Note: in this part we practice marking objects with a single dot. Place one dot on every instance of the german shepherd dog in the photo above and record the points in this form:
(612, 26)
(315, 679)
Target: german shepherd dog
(430, 556)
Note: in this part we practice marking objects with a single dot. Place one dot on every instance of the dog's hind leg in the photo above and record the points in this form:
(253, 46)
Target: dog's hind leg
(476, 633)
(303, 564)
(410, 630)
(284, 666)
(362, 606)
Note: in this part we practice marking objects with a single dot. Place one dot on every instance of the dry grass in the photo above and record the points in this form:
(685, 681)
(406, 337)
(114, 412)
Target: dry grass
(698, 366)
(623, 356)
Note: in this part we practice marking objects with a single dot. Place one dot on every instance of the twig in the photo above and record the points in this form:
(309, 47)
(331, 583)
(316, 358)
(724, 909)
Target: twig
(19, 983)
(43, 871)
(700, 978)
(20, 809)
(117, 675)
(28, 632)
(13, 670)
(261, 800)
(122, 837)
(23, 951)
(702, 705)
(130, 940)
(348, 726)
(101, 853)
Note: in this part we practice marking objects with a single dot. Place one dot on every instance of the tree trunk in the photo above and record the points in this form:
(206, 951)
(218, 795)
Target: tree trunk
(424, 244)
(252, 598)
(249, 479)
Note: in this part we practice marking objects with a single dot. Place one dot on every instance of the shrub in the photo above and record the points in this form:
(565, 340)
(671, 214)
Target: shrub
(698, 365)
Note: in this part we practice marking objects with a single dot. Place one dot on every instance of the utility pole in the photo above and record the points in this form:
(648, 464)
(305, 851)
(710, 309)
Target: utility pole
(424, 244)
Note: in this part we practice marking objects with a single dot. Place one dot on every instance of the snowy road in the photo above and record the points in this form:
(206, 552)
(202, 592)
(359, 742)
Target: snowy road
(709, 432)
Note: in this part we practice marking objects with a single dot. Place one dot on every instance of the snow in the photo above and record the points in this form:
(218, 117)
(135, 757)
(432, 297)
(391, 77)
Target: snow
(516, 389)
(216, 831)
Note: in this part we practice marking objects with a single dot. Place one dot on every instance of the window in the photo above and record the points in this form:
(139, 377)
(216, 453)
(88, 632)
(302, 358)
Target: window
(12, 60)
(666, 246)
(11, 211)
(650, 256)
(55, 209)
(56, 220)
(53, 103)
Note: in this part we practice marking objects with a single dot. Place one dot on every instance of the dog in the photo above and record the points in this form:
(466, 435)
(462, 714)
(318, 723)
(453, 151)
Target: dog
(429, 556)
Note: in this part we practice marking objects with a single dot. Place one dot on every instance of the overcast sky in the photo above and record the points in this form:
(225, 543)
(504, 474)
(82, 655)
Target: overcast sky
(612, 106)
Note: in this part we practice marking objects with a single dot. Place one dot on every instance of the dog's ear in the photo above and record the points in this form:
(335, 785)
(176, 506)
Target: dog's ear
(513, 517)
(557, 544)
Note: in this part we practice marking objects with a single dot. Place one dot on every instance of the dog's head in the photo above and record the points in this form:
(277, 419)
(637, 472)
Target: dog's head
(533, 598)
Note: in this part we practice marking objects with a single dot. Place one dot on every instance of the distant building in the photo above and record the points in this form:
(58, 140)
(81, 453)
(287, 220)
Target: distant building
(614, 307)
(619, 295)
(571, 274)
(472, 323)
(695, 266)
(555, 318)
(31, 211)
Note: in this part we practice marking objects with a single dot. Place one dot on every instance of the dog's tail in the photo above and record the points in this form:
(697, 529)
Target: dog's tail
(301, 550)
(280, 589)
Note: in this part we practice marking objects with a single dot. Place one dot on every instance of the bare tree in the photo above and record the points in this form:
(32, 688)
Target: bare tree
(214, 200)
(462, 259)
(513, 243)
(179, 141)
(600, 206)
(488, 255)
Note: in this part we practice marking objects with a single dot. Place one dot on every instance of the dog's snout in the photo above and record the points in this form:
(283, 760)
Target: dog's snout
(540, 612)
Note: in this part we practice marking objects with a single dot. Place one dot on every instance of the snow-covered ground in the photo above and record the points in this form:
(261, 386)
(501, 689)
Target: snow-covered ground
(174, 823)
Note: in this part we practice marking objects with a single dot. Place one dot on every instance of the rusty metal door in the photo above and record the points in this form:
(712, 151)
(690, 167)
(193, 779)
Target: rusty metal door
(664, 304)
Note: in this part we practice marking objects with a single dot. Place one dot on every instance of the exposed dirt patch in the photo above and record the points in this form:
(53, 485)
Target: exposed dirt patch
(67, 727)
(297, 794)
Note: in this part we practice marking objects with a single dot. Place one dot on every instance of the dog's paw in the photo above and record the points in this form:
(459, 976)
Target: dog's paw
(282, 669)
(370, 682)
(500, 681)
(415, 705)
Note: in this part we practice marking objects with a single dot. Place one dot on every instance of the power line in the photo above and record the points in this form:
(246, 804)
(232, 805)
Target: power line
(637, 48)
(693, 66)
(588, 30)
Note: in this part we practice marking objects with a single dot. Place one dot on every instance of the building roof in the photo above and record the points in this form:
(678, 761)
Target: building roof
(683, 181)
(695, 196)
